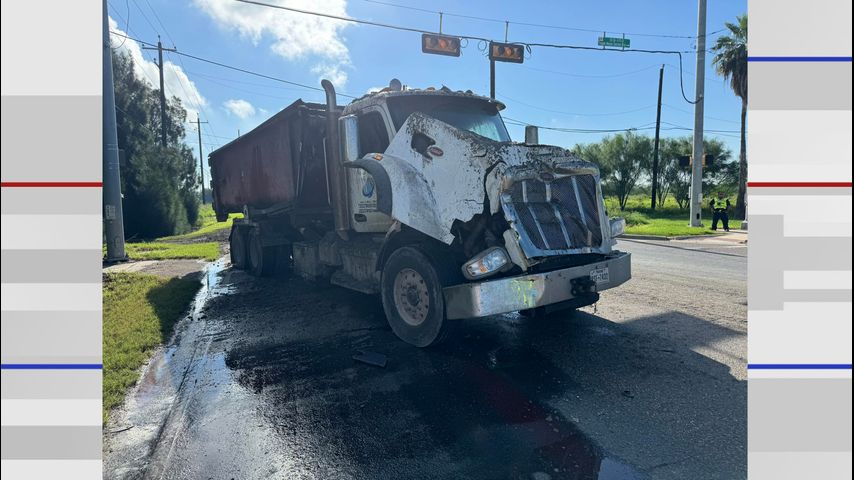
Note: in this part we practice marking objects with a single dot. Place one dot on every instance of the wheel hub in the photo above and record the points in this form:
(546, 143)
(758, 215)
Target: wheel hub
(411, 296)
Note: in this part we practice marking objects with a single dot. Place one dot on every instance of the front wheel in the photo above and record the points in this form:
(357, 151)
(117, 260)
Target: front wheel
(412, 298)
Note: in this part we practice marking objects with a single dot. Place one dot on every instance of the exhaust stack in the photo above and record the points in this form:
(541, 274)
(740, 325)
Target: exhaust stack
(337, 185)
(532, 135)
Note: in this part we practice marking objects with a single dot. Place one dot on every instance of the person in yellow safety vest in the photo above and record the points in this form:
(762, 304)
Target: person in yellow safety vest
(720, 205)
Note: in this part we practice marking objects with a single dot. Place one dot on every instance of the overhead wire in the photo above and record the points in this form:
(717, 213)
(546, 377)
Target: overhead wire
(538, 25)
(528, 45)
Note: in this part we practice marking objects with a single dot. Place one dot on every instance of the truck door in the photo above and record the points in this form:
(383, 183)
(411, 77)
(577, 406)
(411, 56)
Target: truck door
(373, 138)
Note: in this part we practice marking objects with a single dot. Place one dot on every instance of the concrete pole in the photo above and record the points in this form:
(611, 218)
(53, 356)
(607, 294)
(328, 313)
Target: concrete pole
(697, 166)
(657, 139)
(112, 190)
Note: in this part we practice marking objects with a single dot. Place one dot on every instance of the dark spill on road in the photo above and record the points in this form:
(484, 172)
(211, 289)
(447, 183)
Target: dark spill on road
(474, 408)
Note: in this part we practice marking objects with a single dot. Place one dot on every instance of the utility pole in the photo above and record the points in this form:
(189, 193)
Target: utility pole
(199, 123)
(697, 165)
(492, 79)
(114, 228)
(160, 50)
(655, 147)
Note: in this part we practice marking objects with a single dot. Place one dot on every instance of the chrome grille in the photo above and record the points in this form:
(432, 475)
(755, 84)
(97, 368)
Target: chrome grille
(559, 215)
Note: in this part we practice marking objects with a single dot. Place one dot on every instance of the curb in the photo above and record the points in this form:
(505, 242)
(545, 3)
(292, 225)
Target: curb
(643, 237)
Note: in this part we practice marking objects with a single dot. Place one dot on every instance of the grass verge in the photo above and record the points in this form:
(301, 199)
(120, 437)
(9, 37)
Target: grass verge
(164, 251)
(666, 221)
(207, 224)
(140, 312)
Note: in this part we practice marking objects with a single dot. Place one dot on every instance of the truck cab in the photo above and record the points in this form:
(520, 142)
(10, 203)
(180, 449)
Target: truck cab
(434, 208)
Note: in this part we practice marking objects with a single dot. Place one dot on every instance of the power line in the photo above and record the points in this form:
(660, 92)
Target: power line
(199, 106)
(705, 116)
(528, 45)
(575, 113)
(643, 127)
(230, 67)
(592, 75)
(538, 25)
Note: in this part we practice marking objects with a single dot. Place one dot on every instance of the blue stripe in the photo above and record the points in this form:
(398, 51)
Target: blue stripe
(51, 366)
(799, 366)
(798, 59)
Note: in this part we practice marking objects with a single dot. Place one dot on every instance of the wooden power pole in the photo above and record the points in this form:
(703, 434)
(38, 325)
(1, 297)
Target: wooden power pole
(159, 64)
(199, 123)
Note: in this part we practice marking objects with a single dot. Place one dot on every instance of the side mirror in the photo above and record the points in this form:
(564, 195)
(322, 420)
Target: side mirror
(348, 131)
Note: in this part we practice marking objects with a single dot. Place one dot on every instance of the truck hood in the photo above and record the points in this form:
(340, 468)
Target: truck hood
(438, 173)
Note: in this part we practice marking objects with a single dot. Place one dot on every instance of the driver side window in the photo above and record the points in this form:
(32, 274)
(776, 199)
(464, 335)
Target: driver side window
(373, 137)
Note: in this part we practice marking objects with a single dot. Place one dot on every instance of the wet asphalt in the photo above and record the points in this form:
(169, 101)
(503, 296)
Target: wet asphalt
(260, 382)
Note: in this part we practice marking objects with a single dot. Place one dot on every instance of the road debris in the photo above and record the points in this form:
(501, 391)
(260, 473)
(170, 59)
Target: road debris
(371, 358)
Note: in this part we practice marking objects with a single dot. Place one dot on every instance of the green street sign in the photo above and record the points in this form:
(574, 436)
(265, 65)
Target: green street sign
(616, 42)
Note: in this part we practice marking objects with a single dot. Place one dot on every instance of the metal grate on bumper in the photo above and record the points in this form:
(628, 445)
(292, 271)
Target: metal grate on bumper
(555, 217)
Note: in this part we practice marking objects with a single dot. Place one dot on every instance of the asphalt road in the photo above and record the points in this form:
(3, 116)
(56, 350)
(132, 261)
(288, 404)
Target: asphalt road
(260, 383)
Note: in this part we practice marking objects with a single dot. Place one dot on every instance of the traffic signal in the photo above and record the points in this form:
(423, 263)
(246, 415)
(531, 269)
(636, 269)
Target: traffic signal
(440, 44)
(688, 160)
(506, 52)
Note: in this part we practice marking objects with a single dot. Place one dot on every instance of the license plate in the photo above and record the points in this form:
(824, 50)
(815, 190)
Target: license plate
(600, 275)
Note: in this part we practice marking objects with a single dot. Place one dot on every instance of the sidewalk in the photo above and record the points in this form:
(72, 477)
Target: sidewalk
(733, 237)
(163, 268)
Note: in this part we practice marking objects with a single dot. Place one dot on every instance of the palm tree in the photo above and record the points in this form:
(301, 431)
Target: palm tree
(731, 63)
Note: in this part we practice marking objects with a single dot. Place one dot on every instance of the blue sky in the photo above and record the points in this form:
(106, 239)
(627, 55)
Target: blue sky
(557, 88)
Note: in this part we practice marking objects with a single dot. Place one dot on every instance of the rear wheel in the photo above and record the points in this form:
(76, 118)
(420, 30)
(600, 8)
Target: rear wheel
(262, 260)
(412, 298)
(237, 248)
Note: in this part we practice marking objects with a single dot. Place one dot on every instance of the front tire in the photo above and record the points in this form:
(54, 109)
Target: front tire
(412, 298)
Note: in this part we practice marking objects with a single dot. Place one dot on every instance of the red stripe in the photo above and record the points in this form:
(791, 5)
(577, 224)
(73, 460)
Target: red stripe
(51, 184)
(799, 184)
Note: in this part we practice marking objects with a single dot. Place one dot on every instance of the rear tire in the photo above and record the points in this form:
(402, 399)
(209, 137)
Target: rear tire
(237, 248)
(412, 298)
(262, 260)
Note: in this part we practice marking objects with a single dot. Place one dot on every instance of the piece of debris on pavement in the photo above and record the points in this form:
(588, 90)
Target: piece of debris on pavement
(371, 358)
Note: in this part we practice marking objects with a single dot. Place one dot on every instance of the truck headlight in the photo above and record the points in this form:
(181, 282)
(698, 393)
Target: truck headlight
(488, 262)
(618, 227)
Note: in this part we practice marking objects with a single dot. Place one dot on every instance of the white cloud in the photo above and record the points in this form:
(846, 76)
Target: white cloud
(294, 35)
(176, 82)
(239, 108)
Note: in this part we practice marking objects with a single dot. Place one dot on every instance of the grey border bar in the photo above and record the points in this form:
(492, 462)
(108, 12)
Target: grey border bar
(50, 266)
(50, 201)
(54, 443)
(51, 138)
(51, 384)
(798, 86)
(801, 415)
(51, 337)
(798, 191)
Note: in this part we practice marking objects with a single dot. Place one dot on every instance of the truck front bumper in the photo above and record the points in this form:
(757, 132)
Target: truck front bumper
(490, 297)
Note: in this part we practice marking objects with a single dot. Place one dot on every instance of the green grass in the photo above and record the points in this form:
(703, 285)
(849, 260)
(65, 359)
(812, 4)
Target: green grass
(667, 220)
(140, 312)
(164, 251)
(206, 225)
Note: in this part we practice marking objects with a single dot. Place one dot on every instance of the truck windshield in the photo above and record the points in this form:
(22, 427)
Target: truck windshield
(470, 114)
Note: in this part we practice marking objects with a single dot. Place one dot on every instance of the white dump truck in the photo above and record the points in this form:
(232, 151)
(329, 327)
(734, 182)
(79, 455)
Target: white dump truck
(420, 196)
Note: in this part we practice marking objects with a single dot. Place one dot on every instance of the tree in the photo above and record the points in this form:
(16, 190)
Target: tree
(730, 62)
(625, 156)
(158, 183)
(676, 180)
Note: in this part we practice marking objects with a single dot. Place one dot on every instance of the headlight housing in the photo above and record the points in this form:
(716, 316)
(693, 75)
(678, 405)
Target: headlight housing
(618, 227)
(486, 263)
